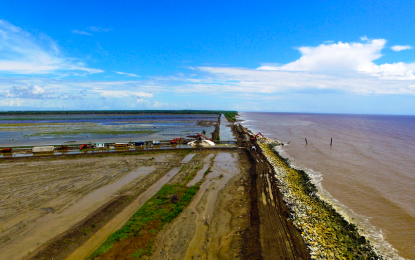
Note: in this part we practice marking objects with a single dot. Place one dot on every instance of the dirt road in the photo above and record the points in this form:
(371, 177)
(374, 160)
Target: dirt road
(269, 217)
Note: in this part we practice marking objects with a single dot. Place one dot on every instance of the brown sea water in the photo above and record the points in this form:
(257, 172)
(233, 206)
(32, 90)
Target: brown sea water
(368, 173)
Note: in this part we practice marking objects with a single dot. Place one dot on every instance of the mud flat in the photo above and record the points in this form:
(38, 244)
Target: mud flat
(221, 205)
(42, 199)
(212, 225)
(100, 236)
(177, 204)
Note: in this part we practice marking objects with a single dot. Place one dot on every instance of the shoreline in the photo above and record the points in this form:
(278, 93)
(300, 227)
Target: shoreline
(324, 230)
(303, 217)
(372, 233)
(269, 216)
(368, 187)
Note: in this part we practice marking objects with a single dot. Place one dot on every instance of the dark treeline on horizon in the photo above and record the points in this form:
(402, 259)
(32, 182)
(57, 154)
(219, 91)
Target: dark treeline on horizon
(126, 112)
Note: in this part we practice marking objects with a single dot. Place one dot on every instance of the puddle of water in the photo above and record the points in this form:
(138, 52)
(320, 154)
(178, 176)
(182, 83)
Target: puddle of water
(157, 158)
(199, 176)
(225, 131)
(51, 225)
(108, 190)
(188, 158)
(225, 167)
(118, 221)
(200, 173)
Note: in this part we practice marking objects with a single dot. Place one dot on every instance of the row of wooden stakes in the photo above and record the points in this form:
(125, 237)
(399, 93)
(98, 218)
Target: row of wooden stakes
(331, 141)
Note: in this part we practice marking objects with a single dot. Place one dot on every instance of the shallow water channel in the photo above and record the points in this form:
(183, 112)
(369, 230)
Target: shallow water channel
(118, 221)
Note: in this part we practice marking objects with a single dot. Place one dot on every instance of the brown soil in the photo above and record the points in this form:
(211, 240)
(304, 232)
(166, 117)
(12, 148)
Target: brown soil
(215, 133)
(206, 123)
(238, 213)
(62, 246)
(272, 234)
(34, 192)
(251, 248)
(211, 226)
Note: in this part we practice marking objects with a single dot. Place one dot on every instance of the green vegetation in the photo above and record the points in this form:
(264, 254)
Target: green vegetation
(145, 224)
(230, 116)
(207, 171)
(86, 230)
(114, 112)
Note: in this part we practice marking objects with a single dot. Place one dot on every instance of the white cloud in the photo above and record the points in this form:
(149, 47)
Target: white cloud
(401, 47)
(81, 32)
(38, 90)
(23, 53)
(98, 29)
(240, 81)
(335, 56)
(128, 74)
(159, 104)
(12, 102)
(31, 92)
(327, 68)
(348, 57)
(91, 29)
(364, 38)
(123, 93)
(47, 88)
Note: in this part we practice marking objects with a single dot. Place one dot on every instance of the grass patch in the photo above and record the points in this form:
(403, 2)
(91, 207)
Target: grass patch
(207, 171)
(186, 152)
(230, 116)
(150, 218)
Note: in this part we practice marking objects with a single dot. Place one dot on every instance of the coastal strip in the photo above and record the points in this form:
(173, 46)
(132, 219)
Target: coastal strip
(271, 234)
(325, 232)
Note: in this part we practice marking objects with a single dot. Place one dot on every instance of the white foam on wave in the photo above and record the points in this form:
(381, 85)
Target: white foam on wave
(372, 233)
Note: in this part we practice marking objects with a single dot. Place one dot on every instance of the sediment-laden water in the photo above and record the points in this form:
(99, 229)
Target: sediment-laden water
(368, 173)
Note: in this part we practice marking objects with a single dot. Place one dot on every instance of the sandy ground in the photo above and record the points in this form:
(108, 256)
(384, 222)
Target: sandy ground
(42, 199)
(210, 227)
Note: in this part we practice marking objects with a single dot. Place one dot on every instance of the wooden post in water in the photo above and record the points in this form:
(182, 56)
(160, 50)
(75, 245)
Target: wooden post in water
(331, 141)
(305, 140)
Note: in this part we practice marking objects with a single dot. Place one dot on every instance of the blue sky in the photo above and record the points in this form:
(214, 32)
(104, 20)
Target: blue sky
(291, 56)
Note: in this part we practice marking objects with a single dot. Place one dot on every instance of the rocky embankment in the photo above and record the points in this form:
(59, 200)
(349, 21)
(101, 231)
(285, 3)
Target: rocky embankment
(325, 232)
